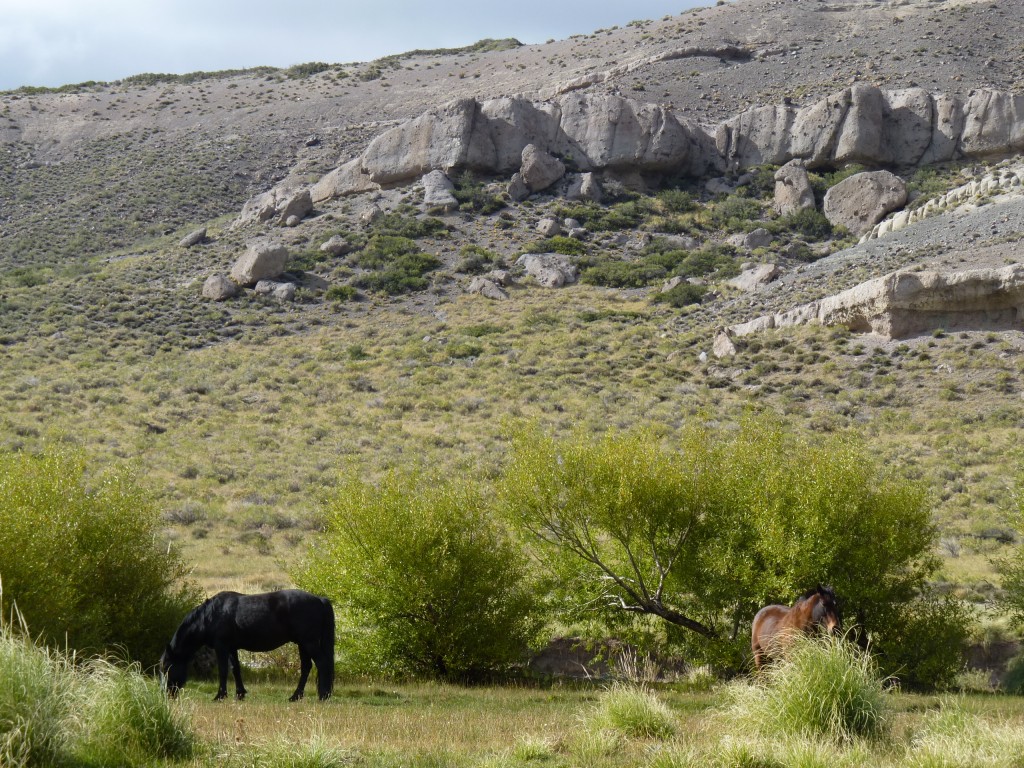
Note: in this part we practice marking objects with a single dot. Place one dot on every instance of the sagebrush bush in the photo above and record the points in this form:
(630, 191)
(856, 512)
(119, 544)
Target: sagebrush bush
(81, 558)
(825, 687)
(424, 581)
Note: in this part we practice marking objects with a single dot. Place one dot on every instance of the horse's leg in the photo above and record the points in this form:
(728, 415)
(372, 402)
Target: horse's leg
(236, 668)
(223, 660)
(305, 665)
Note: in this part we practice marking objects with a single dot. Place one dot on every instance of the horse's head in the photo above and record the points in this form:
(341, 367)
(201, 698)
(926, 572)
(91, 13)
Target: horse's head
(173, 670)
(825, 612)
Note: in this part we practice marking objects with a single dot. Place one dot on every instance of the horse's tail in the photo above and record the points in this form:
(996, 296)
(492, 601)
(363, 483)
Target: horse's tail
(325, 665)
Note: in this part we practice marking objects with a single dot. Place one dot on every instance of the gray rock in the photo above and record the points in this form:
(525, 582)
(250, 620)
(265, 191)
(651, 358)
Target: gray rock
(681, 242)
(517, 189)
(261, 261)
(276, 290)
(348, 179)
(862, 200)
(439, 192)
(539, 169)
(292, 221)
(219, 288)
(584, 186)
(723, 346)
(551, 270)
(793, 190)
(336, 246)
(752, 279)
(903, 304)
(500, 276)
(549, 227)
(193, 238)
(486, 288)
(297, 205)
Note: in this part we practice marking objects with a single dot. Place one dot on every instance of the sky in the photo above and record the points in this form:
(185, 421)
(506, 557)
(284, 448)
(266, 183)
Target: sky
(59, 42)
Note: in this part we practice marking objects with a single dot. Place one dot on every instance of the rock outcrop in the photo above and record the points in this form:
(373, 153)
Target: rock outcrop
(903, 304)
(1001, 181)
(862, 200)
(636, 142)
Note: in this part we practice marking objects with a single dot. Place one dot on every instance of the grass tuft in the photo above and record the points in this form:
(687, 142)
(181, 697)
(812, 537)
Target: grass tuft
(635, 712)
(826, 687)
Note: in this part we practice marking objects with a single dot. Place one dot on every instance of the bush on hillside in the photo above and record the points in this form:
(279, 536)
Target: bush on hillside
(424, 582)
(81, 560)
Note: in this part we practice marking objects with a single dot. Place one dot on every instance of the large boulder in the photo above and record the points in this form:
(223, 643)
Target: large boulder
(755, 277)
(261, 261)
(195, 237)
(862, 200)
(286, 199)
(219, 288)
(994, 123)
(551, 270)
(539, 169)
(436, 140)
(439, 192)
(277, 290)
(793, 190)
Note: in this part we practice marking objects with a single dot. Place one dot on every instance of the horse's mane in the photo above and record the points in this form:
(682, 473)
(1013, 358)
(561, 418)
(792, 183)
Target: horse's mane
(818, 590)
(193, 629)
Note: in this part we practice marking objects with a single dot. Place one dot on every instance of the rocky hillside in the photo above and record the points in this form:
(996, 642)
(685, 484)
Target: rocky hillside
(241, 280)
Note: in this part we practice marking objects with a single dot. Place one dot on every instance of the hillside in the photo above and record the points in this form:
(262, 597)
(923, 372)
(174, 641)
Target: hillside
(240, 413)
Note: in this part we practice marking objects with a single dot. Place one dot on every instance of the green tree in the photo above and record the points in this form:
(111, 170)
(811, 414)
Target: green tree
(1012, 567)
(81, 560)
(703, 535)
(425, 582)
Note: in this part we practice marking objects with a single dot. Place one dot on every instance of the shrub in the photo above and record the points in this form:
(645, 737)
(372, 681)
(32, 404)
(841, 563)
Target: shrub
(341, 293)
(613, 273)
(411, 227)
(425, 581)
(397, 264)
(679, 296)
(636, 712)
(81, 559)
(475, 259)
(807, 222)
(557, 244)
(825, 687)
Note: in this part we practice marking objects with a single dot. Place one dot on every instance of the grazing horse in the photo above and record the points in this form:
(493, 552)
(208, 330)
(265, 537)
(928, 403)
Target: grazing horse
(229, 621)
(775, 626)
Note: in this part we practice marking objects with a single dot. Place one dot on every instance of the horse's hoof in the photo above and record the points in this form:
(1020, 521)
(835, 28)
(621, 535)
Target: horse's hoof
(324, 696)
(220, 695)
(240, 695)
(295, 697)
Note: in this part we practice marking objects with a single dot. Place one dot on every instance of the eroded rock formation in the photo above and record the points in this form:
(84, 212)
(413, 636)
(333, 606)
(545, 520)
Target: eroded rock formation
(903, 304)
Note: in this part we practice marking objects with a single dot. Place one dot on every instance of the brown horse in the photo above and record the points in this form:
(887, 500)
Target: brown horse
(775, 626)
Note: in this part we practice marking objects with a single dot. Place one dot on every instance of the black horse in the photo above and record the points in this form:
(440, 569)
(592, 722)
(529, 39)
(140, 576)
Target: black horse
(229, 621)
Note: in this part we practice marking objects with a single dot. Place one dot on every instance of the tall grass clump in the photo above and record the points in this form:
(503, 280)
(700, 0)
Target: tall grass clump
(825, 687)
(127, 719)
(286, 753)
(35, 701)
(952, 737)
(636, 712)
